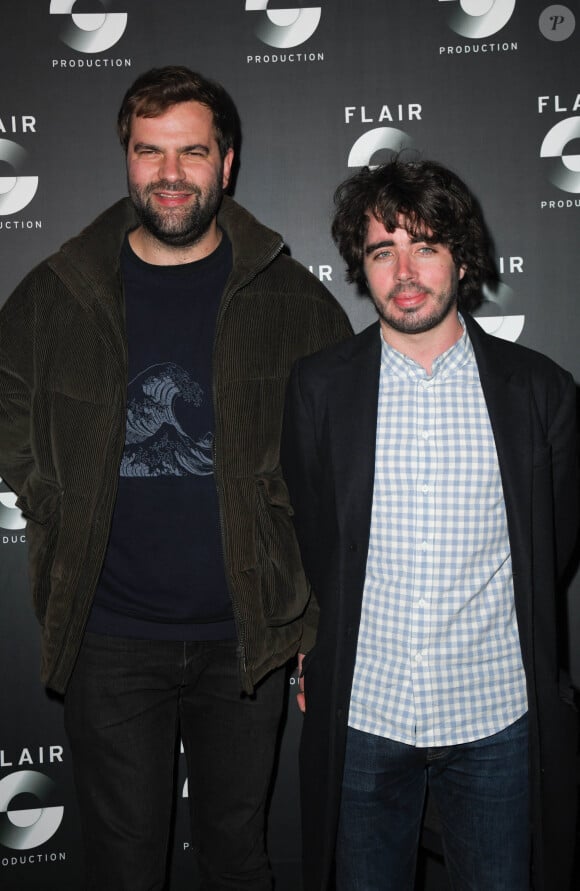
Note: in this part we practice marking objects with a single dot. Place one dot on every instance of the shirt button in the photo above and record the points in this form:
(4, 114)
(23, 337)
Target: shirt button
(426, 489)
(418, 657)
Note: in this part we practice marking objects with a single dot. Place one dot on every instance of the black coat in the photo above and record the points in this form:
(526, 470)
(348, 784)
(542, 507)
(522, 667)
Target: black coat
(328, 460)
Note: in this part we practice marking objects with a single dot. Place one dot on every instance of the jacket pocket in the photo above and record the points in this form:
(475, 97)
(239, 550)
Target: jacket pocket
(42, 539)
(40, 502)
(283, 584)
(39, 499)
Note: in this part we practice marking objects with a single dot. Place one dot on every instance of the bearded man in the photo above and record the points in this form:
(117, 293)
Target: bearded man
(432, 469)
(142, 378)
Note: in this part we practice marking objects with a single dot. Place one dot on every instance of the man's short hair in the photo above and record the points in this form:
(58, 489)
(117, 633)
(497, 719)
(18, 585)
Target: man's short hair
(434, 202)
(158, 89)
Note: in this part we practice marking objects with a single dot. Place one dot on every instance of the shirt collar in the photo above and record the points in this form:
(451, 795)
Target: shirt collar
(458, 355)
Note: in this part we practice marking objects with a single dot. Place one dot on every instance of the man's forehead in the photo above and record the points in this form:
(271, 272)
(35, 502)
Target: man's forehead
(414, 227)
(186, 114)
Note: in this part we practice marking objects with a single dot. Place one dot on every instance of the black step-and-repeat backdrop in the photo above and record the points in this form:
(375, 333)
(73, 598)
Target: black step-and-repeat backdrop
(490, 88)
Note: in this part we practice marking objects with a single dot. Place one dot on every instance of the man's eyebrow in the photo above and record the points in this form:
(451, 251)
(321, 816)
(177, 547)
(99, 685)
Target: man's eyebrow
(197, 147)
(415, 239)
(378, 244)
(144, 145)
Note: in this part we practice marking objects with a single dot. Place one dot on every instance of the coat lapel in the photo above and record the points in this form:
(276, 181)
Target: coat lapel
(353, 412)
(508, 405)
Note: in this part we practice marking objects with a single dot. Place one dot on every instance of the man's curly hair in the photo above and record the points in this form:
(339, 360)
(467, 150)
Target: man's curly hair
(434, 203)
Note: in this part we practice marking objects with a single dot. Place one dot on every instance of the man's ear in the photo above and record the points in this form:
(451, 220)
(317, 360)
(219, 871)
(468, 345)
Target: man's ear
(228, 161)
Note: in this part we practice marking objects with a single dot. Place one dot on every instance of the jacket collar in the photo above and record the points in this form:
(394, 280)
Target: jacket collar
(496, 358)
(254, 245)
(89, 263)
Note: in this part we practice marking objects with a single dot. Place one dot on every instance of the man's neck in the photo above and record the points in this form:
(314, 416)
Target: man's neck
(426, 346)
(151, 250)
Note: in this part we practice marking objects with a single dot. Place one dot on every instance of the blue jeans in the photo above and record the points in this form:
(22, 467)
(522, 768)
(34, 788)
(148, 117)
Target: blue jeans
(126, 705)
(480, 790)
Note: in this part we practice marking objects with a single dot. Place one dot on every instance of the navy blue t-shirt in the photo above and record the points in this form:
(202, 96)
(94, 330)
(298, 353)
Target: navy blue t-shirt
(163, 575)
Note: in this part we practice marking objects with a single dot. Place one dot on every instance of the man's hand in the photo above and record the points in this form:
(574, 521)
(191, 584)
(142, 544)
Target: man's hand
(300, 697)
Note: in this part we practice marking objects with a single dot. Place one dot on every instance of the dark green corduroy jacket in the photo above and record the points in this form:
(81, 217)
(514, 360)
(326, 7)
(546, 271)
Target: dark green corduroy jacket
(63, 390)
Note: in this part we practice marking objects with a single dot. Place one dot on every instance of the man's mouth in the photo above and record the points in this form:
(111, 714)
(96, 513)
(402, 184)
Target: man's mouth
(172, 199)
(408, 299)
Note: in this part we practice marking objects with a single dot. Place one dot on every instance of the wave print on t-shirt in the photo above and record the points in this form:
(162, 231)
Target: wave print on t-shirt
(155, 443)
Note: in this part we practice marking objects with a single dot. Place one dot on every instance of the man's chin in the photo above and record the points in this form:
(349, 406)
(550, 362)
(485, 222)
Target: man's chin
(416, 321)
(180, 238)
(174, 232)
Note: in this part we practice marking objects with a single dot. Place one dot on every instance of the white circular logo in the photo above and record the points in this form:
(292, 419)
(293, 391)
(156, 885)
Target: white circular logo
(10, 516)
(492, 315)
(15, 191)
(379, 139)
(22, 829)
(283, 28)
(565, 170)
(90, 32)
(480, 18)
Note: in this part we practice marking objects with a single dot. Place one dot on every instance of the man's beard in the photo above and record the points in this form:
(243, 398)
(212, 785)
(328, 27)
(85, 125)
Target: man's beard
(413, 320)
(177, 226)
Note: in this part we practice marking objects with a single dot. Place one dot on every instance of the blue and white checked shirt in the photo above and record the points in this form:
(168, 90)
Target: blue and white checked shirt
(438, 659)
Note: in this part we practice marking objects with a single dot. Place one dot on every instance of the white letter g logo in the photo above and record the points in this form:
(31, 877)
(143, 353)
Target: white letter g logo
(283, 28)
(90, 32)
(480, 18)
(15, 191)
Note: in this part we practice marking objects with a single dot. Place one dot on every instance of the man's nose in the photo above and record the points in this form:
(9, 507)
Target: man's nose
(171, 168)
(405, 270)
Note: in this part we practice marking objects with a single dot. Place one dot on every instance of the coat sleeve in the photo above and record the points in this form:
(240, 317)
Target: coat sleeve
(328, 325)
(16, 388)
(302, 472)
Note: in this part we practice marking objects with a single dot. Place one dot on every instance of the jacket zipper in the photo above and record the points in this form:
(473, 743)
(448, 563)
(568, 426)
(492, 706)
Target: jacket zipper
(227, 299)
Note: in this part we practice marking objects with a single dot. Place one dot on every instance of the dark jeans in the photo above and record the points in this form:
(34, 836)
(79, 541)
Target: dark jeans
(126, 705)
(481, 793)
